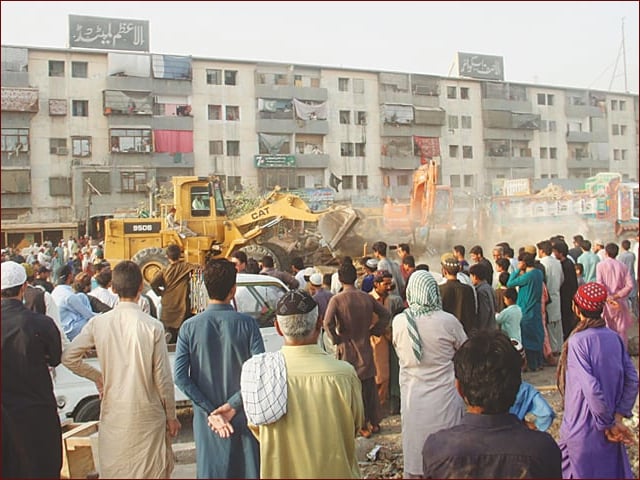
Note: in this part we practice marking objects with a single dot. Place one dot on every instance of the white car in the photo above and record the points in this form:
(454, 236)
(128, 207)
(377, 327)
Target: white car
(256, 295)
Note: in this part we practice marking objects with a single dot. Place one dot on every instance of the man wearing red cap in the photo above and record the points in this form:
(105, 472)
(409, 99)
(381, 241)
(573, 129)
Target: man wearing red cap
(599, 384)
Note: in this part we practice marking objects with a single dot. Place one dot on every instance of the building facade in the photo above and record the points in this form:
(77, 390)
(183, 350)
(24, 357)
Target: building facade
(89, 134)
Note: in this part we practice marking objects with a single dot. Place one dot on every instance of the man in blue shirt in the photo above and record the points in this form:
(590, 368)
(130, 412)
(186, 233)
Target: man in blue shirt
(490, 442)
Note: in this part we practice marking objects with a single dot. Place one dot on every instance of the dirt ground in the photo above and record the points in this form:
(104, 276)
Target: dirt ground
(389, 457)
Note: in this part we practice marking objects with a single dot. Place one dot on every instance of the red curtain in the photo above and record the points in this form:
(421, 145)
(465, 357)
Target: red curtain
(429, 147)
(173, 141)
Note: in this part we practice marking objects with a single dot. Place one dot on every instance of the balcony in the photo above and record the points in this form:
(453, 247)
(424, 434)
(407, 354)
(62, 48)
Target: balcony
(396, 130)
(172, 123)
(589, 161)
(507, 134)
(16, 99)
(114, 82)
(523, 106)
(16, 200)
(400, 162)
(430, 116)
(389, 96)
(13, 159)
(274, 125)
(509, 162)
(583, 111)
(312, 160)
(579, 137)
(316, 94)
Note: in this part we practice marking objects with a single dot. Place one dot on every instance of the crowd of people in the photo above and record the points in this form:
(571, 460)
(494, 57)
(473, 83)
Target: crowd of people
(444, 347)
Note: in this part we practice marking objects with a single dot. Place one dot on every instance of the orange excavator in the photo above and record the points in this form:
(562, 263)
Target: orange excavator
(428, 215)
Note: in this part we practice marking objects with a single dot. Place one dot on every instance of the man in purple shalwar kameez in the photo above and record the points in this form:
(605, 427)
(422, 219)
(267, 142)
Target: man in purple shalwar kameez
(599, 384)
(615, 277)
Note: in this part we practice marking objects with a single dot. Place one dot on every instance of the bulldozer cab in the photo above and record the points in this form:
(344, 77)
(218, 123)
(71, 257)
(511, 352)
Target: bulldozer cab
(200, 207)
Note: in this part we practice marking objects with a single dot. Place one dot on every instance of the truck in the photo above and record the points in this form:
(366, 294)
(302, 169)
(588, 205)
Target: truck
(428, 217)
(282, 225)
(606, 207)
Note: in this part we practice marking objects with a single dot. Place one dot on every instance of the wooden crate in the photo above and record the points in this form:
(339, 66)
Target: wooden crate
(77, 452)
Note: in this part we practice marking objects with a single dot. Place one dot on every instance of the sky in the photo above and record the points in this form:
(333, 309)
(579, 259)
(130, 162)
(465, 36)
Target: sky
(564, 44)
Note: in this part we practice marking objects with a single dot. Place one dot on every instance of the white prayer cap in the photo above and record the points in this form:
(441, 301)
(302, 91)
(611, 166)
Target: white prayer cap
(13, 275)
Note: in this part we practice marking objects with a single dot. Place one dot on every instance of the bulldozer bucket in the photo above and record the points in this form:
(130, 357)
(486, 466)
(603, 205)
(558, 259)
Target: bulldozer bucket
(335, 224)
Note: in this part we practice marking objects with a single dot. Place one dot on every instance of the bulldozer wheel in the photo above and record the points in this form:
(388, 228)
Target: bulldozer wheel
(257, 251)
(150, 261)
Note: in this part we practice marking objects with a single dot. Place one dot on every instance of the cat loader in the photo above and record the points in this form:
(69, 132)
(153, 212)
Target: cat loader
(282, 226)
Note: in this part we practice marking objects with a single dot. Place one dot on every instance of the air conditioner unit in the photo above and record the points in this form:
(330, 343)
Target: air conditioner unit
(63, 151)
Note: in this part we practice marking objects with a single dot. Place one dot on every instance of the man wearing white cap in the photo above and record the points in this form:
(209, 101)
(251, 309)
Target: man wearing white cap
(598, 249)
(31, 433)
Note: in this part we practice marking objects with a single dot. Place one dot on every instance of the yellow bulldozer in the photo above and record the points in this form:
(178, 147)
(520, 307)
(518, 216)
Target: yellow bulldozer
(282, 226)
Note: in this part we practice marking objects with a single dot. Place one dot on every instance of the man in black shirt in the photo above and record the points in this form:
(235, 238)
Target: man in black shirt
(31, 433)
(490, 442)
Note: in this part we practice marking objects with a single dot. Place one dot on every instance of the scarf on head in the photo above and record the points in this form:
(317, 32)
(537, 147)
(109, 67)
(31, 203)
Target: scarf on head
(263, 384)
(423, 296)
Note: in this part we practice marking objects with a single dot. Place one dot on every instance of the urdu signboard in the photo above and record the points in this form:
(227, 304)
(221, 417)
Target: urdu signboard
(108, 33)
(486, 67)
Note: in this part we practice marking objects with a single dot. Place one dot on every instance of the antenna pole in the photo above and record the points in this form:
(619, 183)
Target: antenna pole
(624, 59)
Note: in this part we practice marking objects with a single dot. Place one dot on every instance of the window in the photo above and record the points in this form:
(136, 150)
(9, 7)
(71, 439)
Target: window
(214, 76)
(79, 69)
(346, 150)
(362, 182)
(130, 140)
(80, 108)
(616, 154)
(81, 146)
(464, 93)
(623, 105)
(100, 180)
(453, 121)
(545, 99)
(233, 148)
(15, 140)
(553, 153)
(60, 186)
(452, 92)
(16, 181)
(465, 121)
(347, 182)
(360, 149)
(345, 117)
(215, 147)
(552, 126)
(453, 151)
(343, 84)
(623, 154)
(623, 129)
(230, 77)
(131, 182)
(469, 181)
(214, 112)
(232, 113)
(56, 68)
(454, 181)
(58, 146)
(358, 85)
(403, 180)
(467, 151)
(300, 181)
(361, 118)
(614, 104)
(234, 183)
(615, 129)
(543, 153)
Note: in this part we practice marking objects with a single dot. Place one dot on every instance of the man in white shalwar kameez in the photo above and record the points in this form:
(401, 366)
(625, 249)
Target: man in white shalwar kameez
(426, 338)
(138, 414)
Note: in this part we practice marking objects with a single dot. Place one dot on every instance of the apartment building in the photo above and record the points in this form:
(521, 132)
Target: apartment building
(89, 134)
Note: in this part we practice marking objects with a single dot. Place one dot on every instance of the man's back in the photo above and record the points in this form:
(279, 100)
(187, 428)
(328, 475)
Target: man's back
(458, 299)
(302, 444)
(175, 281)
(491, 446)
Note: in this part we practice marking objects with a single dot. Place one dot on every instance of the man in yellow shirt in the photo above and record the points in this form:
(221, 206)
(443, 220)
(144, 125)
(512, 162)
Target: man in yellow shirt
(298, 441)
